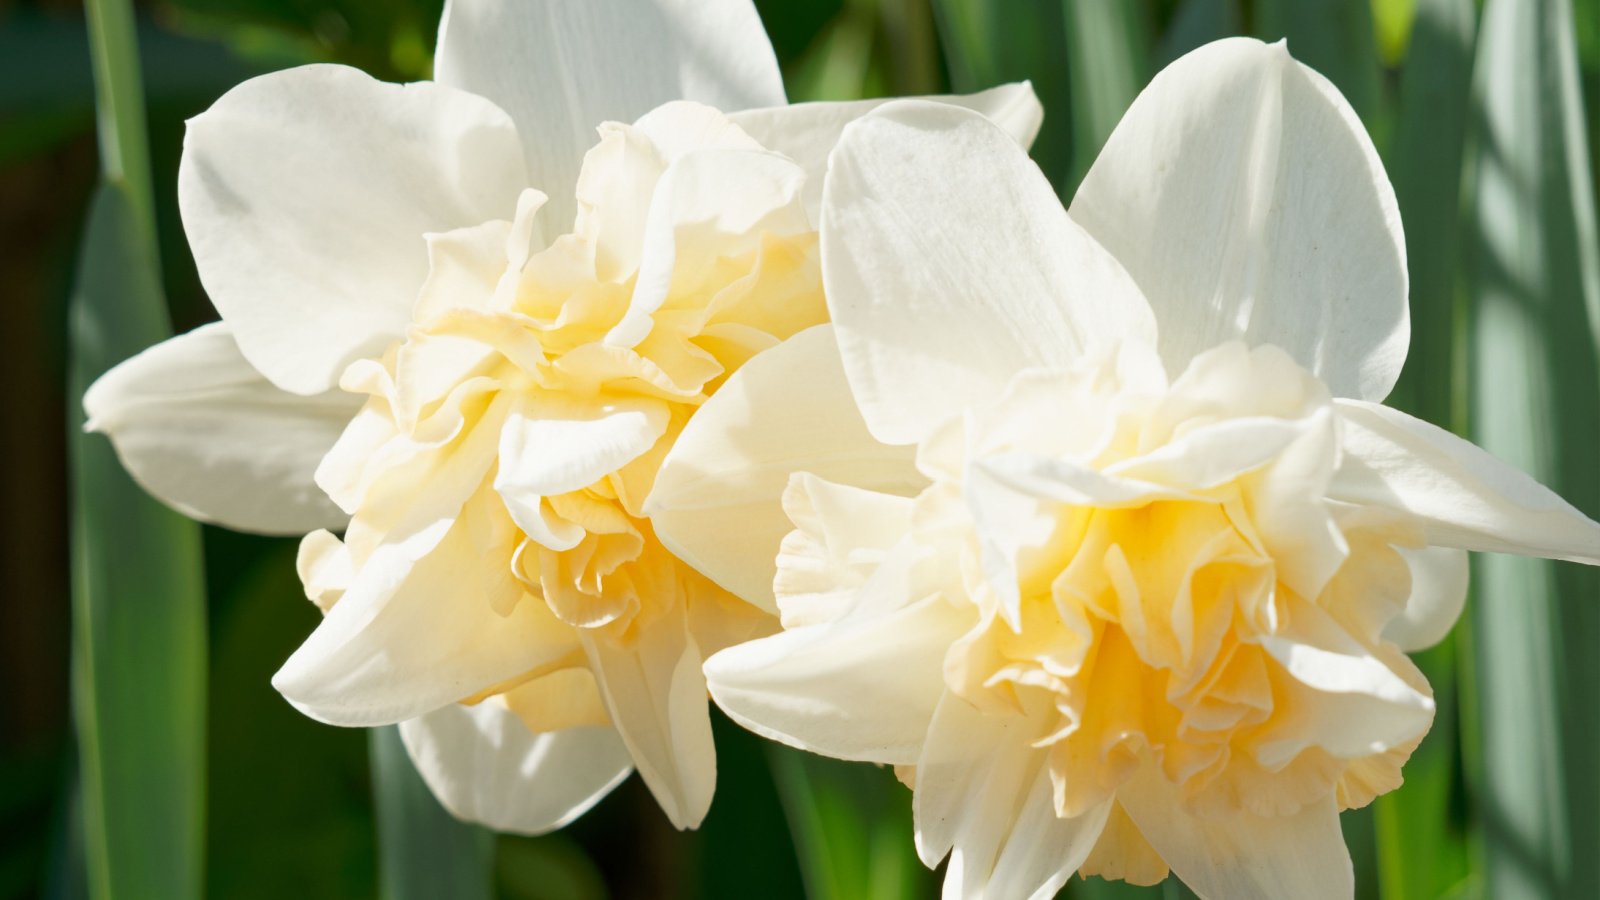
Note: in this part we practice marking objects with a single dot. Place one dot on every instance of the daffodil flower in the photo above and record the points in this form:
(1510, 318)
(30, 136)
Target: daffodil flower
(463, 330)
(1142, 600)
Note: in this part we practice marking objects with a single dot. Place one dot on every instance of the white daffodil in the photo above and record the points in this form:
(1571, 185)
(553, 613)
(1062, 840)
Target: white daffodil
(1145, 601)
(476, 381)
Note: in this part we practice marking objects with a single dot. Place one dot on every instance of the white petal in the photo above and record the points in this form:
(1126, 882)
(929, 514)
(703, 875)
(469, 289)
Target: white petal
(485, 766)
(410, 637)
(1464, 497)
(201, 429)
(717, 502)
(950, 266)
(1242, 857)
(1354, 704)
(550, 447)
(863, 687)
(807, 132)
(984, 796)
(1439, 581)
(306, 194)
(561, 68)
(655, 694)
(1245, 198)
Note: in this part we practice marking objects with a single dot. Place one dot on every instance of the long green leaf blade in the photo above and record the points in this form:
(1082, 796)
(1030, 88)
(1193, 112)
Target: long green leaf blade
(139, 642)
(851, 825)
(1536, 286)
(1108, 62)
(423, 852)
(139, 651)
(1421, 832)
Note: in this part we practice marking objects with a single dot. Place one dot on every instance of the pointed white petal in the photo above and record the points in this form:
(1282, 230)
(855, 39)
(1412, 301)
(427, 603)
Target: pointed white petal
(409, 637)
(201, 429)
(950, 266)
(1242, 857)
(984, 796)
(717, 502)
(1439, 581)
(306, 194)
(561, 68)
(863, 687)
(655, 693)
(1464, 497)
(485, 766)
(1245, 198)
(807, 132)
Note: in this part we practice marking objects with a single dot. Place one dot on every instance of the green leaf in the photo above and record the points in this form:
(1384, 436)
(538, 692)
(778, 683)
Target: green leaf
(1422, 831)
(423, 852)
(139, 650)
(1535, 268)
(1108, 62)
(990, 42)
(851, 825)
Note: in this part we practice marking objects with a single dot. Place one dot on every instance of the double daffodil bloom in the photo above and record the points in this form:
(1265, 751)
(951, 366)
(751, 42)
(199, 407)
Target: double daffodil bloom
(1140, 598)
(462, 326)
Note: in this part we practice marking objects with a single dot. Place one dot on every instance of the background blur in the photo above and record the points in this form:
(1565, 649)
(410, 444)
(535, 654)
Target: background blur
(1484, 115)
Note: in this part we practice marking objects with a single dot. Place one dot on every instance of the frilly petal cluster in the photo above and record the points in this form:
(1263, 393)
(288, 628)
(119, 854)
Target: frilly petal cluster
(1108, 544)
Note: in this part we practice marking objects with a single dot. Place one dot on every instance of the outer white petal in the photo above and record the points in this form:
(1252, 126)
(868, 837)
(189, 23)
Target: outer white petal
(1464, 497)
(1242, 857)
(410, 637)
(863, 687)
(562, 67)
(655, 694)
(984, 796)
(485, 766)
(950, 266)
(717, 502)
(1245, 198)
(807, 132)
(1439, 581)
(306, 194)
(201, 429)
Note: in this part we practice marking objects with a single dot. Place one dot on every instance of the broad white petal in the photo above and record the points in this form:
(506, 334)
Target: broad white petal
(863, 687)
(561, 68)
(1242, 857)
(950, 266)
(1464, 497)
(984, 796)
(655, 693)
(717, 502)
(485, 766)
(1439, 581)
(807, 132)
(1246, 199)
(417, 630)
(306, 194)
(201, 429)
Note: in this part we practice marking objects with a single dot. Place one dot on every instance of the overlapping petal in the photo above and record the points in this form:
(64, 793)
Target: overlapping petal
(485, 766)
(306, 194)
(562, 68)
(1247, 201)
(717, 500)
(950, 266)
(200, 428)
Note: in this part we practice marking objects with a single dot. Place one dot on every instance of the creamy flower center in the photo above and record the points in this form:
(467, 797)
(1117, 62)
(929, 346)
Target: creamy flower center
(1152, 569)
(534, 396)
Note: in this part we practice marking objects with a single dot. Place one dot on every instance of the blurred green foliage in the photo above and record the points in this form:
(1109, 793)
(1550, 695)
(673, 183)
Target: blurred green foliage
(1505, 322)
